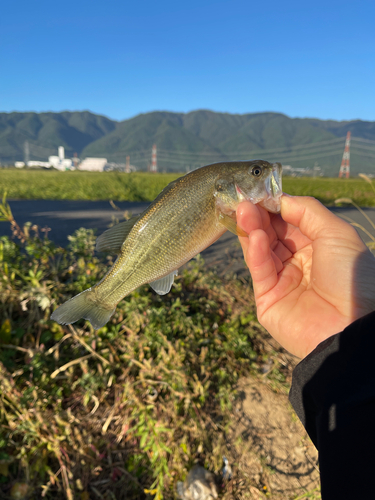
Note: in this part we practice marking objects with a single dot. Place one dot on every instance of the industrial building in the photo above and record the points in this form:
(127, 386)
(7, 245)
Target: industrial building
(93, 164)
(60, 162)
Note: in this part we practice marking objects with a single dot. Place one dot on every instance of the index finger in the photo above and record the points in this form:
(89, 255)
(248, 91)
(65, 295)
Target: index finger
(249, 218)
(288, 234)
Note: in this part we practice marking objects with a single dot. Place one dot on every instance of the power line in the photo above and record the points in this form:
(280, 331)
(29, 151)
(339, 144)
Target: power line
(218, 157)
(264, 153)
(186, 162)
(363, 140)
(363, 155)
(318, 155)
(321, 149)
(274, 150)
(368, 148)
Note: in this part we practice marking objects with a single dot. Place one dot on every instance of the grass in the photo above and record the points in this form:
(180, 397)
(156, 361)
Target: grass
(122, 412)
(328, 190)
(53, 185)
(125, 411)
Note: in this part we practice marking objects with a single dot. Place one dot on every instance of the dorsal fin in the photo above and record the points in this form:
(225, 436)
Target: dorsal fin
(111, 240)
(165, 191)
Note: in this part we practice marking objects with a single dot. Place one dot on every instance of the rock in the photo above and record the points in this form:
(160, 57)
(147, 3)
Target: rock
(19, 491)
(199, 485)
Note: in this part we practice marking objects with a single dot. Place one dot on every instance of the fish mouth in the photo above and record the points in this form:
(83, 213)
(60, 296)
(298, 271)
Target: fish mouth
(240, 194)
(269, 198)
(274, 190)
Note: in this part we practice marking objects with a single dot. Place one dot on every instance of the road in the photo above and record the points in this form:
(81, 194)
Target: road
(63, 217)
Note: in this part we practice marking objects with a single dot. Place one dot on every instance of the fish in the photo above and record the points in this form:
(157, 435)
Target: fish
(189, 215)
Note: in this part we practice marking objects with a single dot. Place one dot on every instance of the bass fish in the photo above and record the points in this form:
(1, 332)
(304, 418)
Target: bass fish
(189, 215)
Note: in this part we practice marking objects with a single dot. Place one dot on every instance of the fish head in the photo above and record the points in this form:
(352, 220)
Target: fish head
(259, 181)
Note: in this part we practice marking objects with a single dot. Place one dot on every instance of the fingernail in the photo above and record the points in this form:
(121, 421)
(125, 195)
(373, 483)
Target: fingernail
(288, 195)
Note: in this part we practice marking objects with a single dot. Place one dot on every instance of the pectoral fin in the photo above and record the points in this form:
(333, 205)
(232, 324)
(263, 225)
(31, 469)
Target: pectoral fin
(111, 240)
(163, 285)
(231, 225)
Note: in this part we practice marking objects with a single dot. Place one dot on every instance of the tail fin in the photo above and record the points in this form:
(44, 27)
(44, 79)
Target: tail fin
(83, 306)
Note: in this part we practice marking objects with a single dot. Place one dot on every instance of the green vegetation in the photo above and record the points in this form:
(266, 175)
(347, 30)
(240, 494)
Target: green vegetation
(187, 139)
(52, 185)
(124, 411)
(45, 132)
(329, 190)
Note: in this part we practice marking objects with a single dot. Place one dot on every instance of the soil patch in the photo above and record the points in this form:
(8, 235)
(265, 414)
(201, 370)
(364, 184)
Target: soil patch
(271, 446)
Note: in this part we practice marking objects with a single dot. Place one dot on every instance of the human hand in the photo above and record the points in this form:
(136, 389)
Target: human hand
(312, 274)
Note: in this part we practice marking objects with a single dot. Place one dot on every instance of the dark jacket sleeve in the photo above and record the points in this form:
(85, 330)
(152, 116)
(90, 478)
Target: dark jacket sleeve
(333, 393)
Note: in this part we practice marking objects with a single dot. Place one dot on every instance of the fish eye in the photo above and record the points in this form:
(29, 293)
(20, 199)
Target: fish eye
(256, 171)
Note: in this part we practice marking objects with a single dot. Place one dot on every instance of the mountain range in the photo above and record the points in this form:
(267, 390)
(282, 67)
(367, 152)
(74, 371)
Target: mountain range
(187, 140)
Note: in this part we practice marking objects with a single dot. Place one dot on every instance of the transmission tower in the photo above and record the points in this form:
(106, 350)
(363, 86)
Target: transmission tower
(26, 152)
(154, 164)
(345, 162)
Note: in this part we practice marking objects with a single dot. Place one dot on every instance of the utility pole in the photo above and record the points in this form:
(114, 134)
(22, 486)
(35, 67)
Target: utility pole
(345, 162)
(154, 164)
(26, 151)
(75, 160)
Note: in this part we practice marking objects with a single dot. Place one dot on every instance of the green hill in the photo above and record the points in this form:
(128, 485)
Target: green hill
(189, 140)
(44, 132)
(206, 132)
(186, 141)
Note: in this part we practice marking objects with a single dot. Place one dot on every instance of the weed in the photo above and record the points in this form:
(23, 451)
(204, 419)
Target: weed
(142, 186)
(340, 201)
(126, 409)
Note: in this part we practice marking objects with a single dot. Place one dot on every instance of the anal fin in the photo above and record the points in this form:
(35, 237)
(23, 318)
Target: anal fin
(163, 285)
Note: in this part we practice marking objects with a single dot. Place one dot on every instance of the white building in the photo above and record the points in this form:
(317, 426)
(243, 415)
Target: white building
(93, 164)
(34, 163)
(56, 162)
(60, 162)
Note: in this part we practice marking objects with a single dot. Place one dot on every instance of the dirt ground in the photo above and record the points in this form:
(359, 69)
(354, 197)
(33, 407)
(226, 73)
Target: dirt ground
(271, 446)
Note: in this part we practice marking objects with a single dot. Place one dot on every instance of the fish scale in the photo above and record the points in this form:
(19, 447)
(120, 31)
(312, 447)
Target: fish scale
(190, 214)
(177, 241)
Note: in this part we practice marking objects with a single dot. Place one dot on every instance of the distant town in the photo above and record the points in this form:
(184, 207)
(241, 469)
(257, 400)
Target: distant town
(59, 162)
(93, 164)
(185, 142)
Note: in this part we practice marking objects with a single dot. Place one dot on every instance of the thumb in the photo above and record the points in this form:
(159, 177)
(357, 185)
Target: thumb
(313, 219)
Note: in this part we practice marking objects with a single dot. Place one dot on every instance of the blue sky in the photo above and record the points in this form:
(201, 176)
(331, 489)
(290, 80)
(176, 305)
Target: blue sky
(120, 58)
